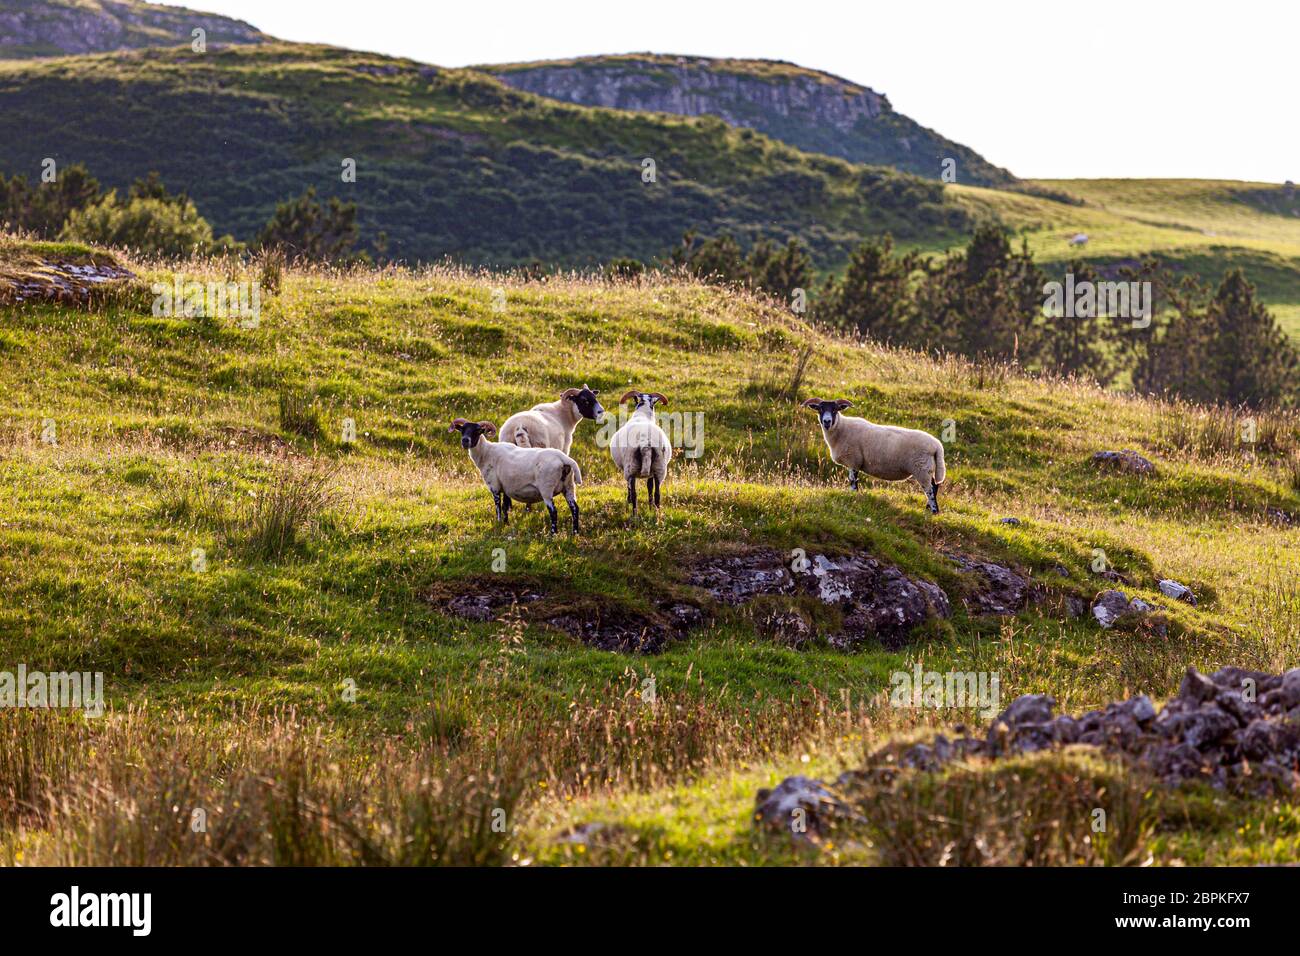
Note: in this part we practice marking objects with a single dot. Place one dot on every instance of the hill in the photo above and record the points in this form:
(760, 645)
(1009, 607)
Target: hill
(440, 668)
(812, 110)
(38, 28)
(449, 162)
(1198, 226)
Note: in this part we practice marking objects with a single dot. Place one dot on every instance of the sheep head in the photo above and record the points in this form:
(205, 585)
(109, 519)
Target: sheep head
(827, 410)
(471, 432)
(584, 399)
(644, 399)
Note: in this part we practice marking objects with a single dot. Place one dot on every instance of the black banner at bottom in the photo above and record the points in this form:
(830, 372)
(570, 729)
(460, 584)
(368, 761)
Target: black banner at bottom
(214, 906)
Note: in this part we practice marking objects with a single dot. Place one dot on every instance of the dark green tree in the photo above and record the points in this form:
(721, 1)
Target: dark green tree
(304, 229)
(873, 295)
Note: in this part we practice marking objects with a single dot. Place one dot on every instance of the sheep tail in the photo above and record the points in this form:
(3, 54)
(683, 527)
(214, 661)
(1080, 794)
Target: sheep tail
(571, 468)
(940, 472)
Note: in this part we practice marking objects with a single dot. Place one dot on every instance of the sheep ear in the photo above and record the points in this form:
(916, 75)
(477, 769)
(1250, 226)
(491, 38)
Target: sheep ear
(458, 424)
(659, 399)
(811, 402)
(844, 403)
(626, 396)
(569, 392)
(488, 428)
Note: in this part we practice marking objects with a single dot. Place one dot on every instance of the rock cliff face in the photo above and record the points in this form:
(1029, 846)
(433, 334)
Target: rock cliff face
(811, 110)
(34, 28)
(696, 87)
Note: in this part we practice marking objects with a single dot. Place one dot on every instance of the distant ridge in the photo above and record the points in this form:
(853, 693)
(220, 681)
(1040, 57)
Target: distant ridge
(809, 109)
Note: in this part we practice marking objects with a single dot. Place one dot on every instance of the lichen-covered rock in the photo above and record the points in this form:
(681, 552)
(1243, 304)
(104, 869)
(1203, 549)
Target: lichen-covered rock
(1001, 590)
(1126, 460)
(877, 600)
(1109, 606)
(800, 806)
(1212, 730)
(736, 579)
(1178, 592)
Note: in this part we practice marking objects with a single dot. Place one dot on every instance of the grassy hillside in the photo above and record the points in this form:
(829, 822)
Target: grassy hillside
(171, 434)
(449, 162)
(812, 110)
(36, 28)
(1201, 226)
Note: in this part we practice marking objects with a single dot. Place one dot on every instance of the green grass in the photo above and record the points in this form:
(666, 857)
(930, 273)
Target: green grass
(1198, 227)
(170, 437)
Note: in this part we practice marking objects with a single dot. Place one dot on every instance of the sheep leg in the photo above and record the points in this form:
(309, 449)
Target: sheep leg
(631, 494)
(550, 508)
(496, 500)
(505, 508)
(573, 510)
(653, 490)
(853, 479)
(932, 497)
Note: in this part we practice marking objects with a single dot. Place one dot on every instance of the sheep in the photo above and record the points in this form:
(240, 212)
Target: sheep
(551, 424)
(640, 448)
(882, 451)
(522, 474)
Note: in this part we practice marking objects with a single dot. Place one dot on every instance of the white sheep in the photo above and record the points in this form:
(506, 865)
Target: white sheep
(882, 451)
(520, 474)
(551, 424)
(640, 448)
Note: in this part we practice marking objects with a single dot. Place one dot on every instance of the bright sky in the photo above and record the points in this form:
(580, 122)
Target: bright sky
(1094, 88)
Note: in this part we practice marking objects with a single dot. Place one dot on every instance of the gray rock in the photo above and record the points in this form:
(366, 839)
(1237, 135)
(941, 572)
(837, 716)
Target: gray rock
(1127, 461)
(800, 806)
(1001, 590)
(1177, 591)
(1109, 607)
(1196, 686)
(878, 600)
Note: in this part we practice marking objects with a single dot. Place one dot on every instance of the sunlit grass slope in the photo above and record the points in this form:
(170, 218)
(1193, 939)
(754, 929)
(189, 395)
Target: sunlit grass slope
(166, 432)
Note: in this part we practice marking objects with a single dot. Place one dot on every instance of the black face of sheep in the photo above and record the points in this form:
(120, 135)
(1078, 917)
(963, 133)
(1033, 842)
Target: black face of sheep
(471, 432)
(828, 411)
(585, 400)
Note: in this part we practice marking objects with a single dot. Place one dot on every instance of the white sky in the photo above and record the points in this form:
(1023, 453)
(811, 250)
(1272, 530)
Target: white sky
(1092, 88)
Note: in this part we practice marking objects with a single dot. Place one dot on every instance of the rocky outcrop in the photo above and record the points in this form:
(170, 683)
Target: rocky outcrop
(30, 28)
(695, 86)
(606, 625)
(876, 600)
(1234, 726)
(28, 279)
(1235, 729)
(811, 110)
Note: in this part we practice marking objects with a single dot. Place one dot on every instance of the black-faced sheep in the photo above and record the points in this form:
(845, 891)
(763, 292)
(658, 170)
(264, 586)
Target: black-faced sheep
(882, 451)
(520, 474)
(551, 424)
